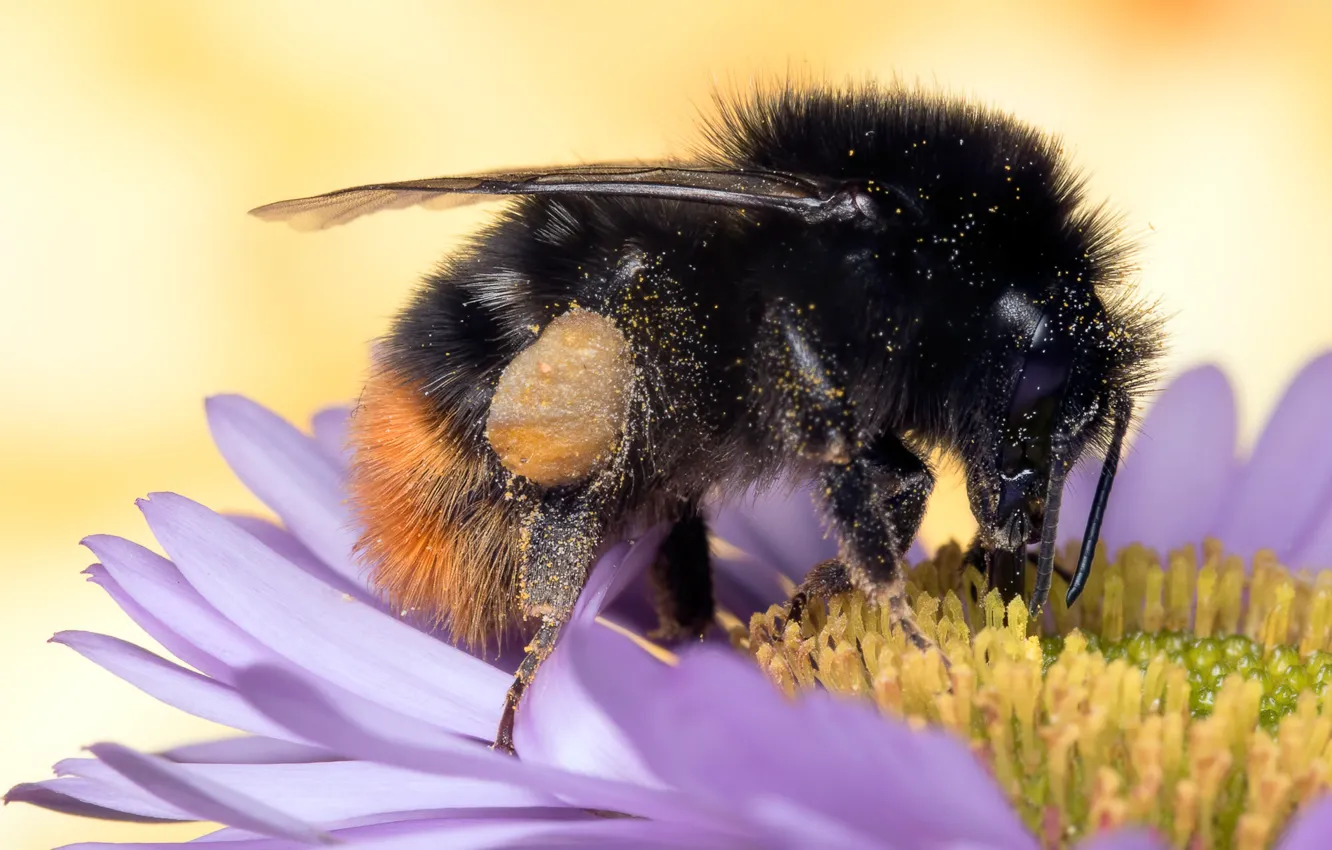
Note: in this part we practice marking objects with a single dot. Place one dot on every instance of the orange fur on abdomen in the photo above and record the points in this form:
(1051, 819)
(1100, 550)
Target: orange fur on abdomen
(442, 545)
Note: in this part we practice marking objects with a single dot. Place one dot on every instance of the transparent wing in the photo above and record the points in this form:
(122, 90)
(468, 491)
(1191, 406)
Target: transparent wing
(769, 190)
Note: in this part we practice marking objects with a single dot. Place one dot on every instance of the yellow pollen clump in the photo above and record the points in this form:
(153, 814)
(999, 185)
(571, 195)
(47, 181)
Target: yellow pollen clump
(1187, 696)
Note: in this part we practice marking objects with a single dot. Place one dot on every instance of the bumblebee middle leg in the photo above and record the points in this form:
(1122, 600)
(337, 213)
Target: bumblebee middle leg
(875, 491)
(681, 577)
(876, 502)
(561, 536)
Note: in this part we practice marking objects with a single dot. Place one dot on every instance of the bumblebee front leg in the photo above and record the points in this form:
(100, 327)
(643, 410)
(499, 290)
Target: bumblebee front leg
(560, 537)
(876, 502)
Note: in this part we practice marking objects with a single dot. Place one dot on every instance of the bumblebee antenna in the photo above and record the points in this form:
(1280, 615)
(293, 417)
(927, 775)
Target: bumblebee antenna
(1054, 494)
(1097, 515)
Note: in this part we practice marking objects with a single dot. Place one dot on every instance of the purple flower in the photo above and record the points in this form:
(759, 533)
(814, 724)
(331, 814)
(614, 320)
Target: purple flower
(365, 730)
(1181, 481)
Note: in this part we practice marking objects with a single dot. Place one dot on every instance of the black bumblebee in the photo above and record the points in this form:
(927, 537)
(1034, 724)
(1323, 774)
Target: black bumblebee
(839, 282)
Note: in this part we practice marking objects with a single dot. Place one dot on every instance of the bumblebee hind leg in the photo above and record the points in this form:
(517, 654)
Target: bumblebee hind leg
(681, 578)
(560, 537)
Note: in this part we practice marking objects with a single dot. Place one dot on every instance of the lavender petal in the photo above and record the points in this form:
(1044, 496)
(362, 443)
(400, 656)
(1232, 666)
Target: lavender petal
(155, 584)
(563, 726)
(86, 798)
(170, 683)
(340, 793)
(780, 526)
(1286, 487)
(670, 715)
(330, 432)
(1127, 839)
(1311, 828)
(497, 832)
(1175, 474)
(291, 474)
(349, 724)
(156, 629)
(559, 725)
(1316, 554)
(325, 632)
(248, 749)
(791, 826)
(614, 572)
(613, 834)
(203, 797)
(285, 544)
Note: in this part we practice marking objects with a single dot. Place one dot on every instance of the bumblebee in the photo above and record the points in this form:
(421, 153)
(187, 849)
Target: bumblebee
(839, 282)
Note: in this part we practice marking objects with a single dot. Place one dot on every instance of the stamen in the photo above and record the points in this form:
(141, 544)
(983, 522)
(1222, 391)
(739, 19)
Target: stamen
(1188, 697)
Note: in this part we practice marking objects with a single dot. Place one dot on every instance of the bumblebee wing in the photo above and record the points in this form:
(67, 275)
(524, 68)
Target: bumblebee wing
(733, 188)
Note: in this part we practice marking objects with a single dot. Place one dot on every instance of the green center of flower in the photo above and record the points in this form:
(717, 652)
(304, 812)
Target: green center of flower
(1186, 696)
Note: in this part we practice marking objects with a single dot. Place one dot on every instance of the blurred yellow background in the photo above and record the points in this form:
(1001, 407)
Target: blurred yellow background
(134, 135)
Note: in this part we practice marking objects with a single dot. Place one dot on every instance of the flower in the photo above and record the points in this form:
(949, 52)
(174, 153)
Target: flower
(366, 730)
(361, 726)
(1181, 481)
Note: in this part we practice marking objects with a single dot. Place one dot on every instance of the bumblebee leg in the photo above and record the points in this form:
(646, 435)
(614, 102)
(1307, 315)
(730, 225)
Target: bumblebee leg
(681, 578)
(827, 579)
(876, 501)
(537, 651)
(562, 534)
(875, 492)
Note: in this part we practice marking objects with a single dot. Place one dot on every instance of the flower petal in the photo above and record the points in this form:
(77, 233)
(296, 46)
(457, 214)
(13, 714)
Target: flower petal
(202, 796)
(1128, 839)
(743, 582)
(779, 525)
(1174, 476)
(250, 749)
(291, 474)
(349, 724)
(1311, 828)
(791, 826)
(323, 793)
(285, 544)
(614, 572)
(155, 584)
(170, 683)
(619, 834)
(1284, 491)
(73, 795)
(1317, 553)
(338, 638)
(155, 628)
(766, 536)
(561, 725)
(330, 432)
(525, 831)
(774, 748)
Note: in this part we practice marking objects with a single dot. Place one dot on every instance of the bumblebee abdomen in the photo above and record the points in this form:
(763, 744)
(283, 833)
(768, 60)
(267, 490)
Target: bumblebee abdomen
(441, 540)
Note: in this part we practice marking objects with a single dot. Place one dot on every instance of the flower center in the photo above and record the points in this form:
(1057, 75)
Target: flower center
(1187, 696)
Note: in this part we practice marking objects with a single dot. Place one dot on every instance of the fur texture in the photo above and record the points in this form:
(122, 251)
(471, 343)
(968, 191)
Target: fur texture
(980, 206)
